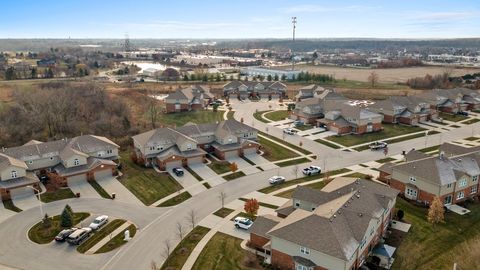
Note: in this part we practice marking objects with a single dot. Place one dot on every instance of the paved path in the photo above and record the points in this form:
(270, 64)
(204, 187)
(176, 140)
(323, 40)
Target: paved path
(243, 165)
(109, 237)
(85, 189)
(261, 161)
(122, 194)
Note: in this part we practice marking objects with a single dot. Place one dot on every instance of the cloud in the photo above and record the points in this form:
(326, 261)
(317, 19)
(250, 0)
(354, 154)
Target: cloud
(444, 16)
(321, 9)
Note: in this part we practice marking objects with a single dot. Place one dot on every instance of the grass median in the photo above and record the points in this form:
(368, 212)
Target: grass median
(100, 234)
(41, 235)
(118, 240)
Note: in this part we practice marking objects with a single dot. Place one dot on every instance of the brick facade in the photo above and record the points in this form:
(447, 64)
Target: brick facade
(257, 241)
(282, 261)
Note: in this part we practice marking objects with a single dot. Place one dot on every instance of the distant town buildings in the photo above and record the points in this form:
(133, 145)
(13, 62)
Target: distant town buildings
(265, 72)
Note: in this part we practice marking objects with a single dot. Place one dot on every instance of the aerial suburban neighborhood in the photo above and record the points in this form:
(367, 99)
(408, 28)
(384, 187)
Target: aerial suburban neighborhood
(301, 135)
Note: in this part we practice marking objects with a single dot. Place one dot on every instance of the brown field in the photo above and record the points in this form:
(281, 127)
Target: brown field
(386, 75)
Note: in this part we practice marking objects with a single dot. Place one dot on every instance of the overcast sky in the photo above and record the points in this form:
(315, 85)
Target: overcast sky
(239, 19)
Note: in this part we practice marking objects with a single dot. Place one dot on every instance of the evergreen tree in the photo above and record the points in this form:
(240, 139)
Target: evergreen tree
(10, 74)
(34, 73)
(275, 78)
(269, 78)
(66, 219)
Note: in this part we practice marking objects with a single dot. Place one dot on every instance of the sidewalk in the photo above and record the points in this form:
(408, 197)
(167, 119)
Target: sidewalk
(109, 237)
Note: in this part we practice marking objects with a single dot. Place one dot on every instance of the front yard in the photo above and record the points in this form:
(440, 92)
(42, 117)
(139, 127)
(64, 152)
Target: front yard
(452, 117)
(219, 166)
(456, 240)
(389, 130)
(145, 183)
(277, 115)
(60, 194)
(273, 151)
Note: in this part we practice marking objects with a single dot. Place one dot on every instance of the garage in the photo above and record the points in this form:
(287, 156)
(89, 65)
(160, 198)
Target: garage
(21, 192)
(195, 160)
(76, 179)
(249, 151)
(231, 154)
(173, 164)
(103, 174)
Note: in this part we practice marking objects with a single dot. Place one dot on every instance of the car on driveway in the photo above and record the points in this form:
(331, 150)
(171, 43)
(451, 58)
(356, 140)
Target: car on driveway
(243, 223)
(62, 236)
(78, 236)
(98, 222)
(312, 170)
(378, 145)
(298, 123)
(462, 113)
(178, 171)
(275, 180)
(289, 131)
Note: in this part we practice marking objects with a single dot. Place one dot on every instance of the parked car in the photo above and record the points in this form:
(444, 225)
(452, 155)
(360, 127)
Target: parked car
(378, 145)
(322, 125)
(98, 222)
(178, 171)
(243, 223)
(274, 180)
(289, 131)
(312, 170)
(78, 236)
(462, 113)
(43, 178)
(298, 123)
(62, 236)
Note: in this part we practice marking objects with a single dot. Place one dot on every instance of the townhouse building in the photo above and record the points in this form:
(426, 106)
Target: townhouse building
(242, 89)
(195, 97)
(408, 110)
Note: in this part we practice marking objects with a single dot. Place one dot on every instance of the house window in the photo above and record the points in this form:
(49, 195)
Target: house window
(14, 174)
(109, 151)
(302, 267)
(297, 204)
(412, 193)
(460, 195)
(413, 179)
(76, 162)
(364, 241)
(30, 162)
(189, 147)
(449, 185)
(305, 250)
(99, 154)
(152, 148)
(51, 158)
(462, 182)
(475, 178)
(473, 189)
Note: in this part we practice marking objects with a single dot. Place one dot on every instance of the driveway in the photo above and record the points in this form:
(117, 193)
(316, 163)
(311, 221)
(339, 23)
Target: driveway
(5, 213)
(85, 189)
(261, 161)
(189, 182)
(25, 201)
(207, 174)
(243, 166)
(122, 194)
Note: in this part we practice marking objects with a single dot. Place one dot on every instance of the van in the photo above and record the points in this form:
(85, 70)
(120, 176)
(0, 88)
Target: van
(78, 236)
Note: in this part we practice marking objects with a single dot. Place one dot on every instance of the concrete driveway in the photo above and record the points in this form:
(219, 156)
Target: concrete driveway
(243, 166)
(25, 201)
(85, 189)
(188, 182)
(207, 174)
(5, 213)
(261, 161)
(112, 185)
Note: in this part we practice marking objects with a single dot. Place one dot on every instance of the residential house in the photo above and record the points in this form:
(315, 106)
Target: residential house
(452, 177)
(308, 91)
(82, 158)
(409, 110)
(346, 119)
(194, 97)
(452, 100)
(311, 109)
(247, 89)
(174, 147)
(334, 228)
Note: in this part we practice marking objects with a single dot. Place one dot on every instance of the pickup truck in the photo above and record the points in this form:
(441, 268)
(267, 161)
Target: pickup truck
(312, 170)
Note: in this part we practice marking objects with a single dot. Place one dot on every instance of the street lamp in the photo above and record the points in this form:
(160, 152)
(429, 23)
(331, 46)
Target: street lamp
(38, 197)
(426, 134)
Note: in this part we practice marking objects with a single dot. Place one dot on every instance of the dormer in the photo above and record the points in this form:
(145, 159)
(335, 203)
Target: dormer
(11, 168)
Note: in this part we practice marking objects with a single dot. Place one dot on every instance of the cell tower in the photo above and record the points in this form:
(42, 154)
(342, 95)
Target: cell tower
(294, 23)
(127, 46)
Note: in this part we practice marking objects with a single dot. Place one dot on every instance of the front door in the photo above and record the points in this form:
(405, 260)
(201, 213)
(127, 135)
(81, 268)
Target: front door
(369, 127)
(447, 200)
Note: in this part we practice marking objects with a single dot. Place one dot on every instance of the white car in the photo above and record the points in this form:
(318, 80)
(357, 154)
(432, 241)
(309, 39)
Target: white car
(312, 170)
(276, 180)
(98, 222)
(243, 223)
(289, 131)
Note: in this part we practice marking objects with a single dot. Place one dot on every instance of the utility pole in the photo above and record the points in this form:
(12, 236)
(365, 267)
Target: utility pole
(294, 23)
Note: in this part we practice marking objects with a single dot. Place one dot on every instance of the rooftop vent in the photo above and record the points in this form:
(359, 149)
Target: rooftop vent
(334, 216)
(360, 214)
(358, 196)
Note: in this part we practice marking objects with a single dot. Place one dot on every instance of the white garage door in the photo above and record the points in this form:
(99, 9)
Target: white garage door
(195, 160)
(249, 151)
(103, 174)
(77, 179)
(21, 192)
(173, 164)
(231, 154)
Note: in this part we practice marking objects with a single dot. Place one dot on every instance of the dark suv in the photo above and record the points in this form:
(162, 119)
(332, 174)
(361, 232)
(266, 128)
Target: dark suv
(178, 171)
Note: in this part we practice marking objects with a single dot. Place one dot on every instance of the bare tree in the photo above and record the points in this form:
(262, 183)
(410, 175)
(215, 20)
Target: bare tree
(221, 196)
(373, 79)
(192, 218)
(167, 248)
(180, 232)
(295, 170)
(153, 112)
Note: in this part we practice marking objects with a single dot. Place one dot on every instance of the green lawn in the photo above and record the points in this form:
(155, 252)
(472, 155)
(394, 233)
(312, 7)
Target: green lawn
(425, 247)
(277, 115)
(223, 212)
(305, 127)
(207, 185)
(117, 241)
(358, 175)
(99, 189)
(292, 162)
(97, 236)
(389, 130)
(145, 183)
(327, 143)
(198, 117)
(430, 149)
(230, 115)
(273, 151)
(234, 176)
(222, 252)
(176, 200)
(183, 250)
(471, 139)
(60, 194)
(297, 181)
(41, 235)
(298, 148)
(219, 166)
(258, 116)
(452, 117)
(8, 204)
(261, 203)
(471, 121)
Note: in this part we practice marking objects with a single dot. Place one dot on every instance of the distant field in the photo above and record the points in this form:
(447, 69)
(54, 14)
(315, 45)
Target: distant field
(390, 75)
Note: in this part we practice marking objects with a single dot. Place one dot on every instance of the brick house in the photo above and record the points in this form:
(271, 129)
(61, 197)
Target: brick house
(346, 119)
(308, 91)
(311, 109)
(452, 100)
(169, 147)
(241, 89)
(195, 97)
(82, 158)
(333, 228)
(453, 177)
(408, 110)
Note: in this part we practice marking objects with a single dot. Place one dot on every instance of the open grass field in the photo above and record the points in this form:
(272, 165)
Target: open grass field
(425, 247)
(198, 117)
(145, 183)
